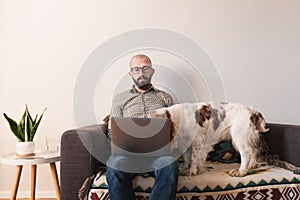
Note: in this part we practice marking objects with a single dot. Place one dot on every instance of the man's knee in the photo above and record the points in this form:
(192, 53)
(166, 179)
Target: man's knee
(165, 161)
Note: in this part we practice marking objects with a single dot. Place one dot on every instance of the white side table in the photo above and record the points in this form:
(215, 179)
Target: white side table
(39, 158)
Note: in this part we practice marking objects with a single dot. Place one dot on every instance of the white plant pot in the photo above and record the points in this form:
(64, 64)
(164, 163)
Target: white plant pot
(25, 148)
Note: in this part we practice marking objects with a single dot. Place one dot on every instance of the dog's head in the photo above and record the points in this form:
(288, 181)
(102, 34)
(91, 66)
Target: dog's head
(160, 113)
(259, 122)
(164, 113)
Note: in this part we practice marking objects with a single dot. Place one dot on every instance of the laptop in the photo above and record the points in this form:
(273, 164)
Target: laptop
(140, 136)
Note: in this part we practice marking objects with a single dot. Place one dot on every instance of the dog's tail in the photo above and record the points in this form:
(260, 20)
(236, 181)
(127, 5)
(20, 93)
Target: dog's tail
(259, 122)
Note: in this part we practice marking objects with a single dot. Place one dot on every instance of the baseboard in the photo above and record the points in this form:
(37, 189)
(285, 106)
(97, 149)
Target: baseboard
(26, 194)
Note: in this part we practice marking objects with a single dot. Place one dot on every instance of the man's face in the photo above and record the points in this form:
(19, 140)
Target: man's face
(141, 71)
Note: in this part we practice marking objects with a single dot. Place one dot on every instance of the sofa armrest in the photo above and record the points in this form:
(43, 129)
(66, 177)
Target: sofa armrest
(83, 151)
(284, 141)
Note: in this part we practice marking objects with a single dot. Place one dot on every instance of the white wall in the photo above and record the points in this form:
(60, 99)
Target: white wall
(43, 44)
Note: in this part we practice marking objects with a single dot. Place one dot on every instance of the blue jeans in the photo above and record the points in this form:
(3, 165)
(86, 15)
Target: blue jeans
(120, 182)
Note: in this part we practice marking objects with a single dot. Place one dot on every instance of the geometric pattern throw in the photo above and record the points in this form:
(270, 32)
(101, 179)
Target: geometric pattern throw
(264, 183)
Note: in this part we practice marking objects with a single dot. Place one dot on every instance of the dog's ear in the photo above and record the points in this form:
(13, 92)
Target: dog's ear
(259, 122)
(168, 114)
(203, 114)
(173, 125)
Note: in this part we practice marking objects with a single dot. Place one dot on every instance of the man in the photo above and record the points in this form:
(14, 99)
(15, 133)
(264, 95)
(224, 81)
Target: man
(140, 101)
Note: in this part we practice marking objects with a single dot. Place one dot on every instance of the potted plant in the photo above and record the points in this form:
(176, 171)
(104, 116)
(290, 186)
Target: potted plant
(25, 131)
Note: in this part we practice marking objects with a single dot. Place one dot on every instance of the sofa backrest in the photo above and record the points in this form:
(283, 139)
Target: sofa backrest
(284, 141)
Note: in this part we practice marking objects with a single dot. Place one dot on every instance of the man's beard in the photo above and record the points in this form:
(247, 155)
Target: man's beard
(146, 84)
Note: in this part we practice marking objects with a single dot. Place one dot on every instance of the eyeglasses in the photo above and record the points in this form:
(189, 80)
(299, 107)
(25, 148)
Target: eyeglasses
(137, 70)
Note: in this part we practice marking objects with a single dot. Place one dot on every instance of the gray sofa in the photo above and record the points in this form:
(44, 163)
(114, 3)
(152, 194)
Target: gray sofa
(78, 163)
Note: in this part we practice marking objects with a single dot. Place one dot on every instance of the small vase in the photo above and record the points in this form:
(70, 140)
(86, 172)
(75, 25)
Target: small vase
(25, 148)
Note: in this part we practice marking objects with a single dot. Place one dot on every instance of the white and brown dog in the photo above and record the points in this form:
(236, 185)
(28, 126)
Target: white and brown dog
(196, 127)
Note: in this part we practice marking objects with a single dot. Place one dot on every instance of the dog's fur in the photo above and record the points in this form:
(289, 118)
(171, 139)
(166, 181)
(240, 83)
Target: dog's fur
(196, 127)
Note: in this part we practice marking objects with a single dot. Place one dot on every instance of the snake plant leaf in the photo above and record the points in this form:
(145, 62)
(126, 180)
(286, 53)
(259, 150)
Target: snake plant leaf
(21, 130)
(28, 114)
(29, 125)
(29, 128)
(21, 127)
(13, 126)
(36, 125)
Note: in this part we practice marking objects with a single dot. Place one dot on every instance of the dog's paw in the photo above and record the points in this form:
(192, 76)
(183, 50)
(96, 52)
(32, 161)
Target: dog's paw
(184, 172)
(237, 173)
(189, 172)
(183, 168)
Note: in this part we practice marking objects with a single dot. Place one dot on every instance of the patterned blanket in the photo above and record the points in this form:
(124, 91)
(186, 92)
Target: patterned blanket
(267, 182)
